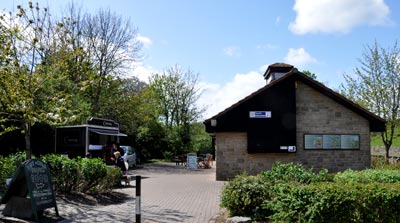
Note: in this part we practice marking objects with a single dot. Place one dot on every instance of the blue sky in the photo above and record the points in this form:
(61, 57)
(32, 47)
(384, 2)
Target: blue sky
(231, 42)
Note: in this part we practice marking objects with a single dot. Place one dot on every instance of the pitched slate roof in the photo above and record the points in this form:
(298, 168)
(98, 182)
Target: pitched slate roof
(377, 124)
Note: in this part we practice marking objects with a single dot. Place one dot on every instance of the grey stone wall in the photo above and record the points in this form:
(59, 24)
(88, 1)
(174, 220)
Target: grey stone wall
(316, 114)
(232, 157)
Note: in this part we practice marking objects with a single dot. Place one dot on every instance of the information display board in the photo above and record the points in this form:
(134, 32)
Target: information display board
(191, 161)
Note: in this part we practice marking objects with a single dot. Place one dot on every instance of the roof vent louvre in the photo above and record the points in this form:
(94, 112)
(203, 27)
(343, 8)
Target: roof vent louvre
(276, 71)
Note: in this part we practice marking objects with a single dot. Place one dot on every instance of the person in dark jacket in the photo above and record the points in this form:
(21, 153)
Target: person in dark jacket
(119, 162)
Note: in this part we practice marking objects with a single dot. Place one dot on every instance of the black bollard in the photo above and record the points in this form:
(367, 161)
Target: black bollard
(138, 188)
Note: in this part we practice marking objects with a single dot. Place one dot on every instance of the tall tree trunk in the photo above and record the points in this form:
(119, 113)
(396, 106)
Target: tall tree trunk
(28, 140)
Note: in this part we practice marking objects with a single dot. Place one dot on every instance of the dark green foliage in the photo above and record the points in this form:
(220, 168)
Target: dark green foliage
(289, 193)
(151, 139)
(332, 202)
(246, 195)
(168, 156)
(9, 165)
(64, 172)
(111, 180)
(294, 172)
(83, 175)
(369, 176)
(93, 171)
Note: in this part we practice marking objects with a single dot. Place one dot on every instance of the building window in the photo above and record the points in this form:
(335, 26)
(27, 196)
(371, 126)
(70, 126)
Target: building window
(331, 141)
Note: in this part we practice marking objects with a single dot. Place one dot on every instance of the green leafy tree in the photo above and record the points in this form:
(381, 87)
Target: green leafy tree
(151, 139)
(310, 74)
(128, 103)
(33, 84)
(175, 93)
(376, 86)
(201, 140)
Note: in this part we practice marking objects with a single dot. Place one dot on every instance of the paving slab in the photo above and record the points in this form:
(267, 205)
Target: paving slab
(170, 193)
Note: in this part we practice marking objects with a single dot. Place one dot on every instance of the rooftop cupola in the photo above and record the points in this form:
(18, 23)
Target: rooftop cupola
(276, 71)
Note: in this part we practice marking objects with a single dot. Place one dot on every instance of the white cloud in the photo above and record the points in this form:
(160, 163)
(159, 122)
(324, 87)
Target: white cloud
(217, 98)
(146, 41)
(141, 71)
(299, 57)
(267, 46)
(232, 51)
(330, 16)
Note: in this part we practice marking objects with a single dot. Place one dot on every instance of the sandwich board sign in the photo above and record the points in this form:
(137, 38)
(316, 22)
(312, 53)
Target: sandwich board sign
(32, 178)
(191, 161)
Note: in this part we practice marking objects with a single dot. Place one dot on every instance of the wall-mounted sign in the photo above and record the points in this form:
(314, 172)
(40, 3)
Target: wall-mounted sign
(260, 114)
(291, 149)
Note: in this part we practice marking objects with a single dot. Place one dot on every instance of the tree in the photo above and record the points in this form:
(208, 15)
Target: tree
(310, 74)
(32, 79)
(176, 92)
(376, 86)
(128, 103)
(112, 46)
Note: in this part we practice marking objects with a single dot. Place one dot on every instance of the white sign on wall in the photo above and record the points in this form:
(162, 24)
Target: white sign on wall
(292, 149)
(260, 114)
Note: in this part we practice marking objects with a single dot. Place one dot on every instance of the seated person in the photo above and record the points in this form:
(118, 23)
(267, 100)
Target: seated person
(119, 162)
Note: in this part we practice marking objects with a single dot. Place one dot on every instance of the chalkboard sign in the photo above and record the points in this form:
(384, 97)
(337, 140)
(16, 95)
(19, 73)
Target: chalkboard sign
(40, 184)
(191, 161)
(32, 178)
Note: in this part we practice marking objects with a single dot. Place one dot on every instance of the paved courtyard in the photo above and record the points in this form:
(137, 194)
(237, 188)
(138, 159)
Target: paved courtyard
(170, 193)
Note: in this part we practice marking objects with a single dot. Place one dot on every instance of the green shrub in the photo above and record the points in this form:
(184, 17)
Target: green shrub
(64, 172)
(281, 172)
(82, 174)
(369, 175)
(93, 171)
(112, 179)
(245, 195)
(334, 202)
(9, 165)
(169, 156)
(321, 202)
(68, 175)
(289, 193)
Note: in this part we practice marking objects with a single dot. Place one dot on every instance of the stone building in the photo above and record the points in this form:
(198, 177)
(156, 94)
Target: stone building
(293, 118)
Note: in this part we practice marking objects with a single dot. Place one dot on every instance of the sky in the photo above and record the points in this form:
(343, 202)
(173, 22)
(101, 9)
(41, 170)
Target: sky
(230, 43)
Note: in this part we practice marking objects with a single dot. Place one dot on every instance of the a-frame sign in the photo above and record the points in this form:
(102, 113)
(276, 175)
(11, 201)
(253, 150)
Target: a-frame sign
(32, 178)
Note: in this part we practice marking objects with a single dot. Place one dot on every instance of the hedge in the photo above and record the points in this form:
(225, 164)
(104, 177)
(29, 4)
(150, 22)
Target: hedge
(290, 193)
(68, 175)
(333, 202)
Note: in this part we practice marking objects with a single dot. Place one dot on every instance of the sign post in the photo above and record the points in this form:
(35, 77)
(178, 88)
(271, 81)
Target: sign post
(138, 192)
